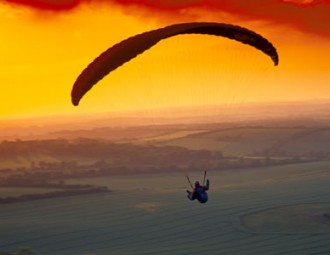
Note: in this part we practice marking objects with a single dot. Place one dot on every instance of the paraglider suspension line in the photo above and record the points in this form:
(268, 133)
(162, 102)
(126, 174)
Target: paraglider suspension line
(204, 178)
(190, 182)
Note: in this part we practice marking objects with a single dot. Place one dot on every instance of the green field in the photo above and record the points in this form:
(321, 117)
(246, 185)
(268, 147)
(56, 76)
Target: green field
(235, 141)
(256, 140)
(150, 214)
(169, 136)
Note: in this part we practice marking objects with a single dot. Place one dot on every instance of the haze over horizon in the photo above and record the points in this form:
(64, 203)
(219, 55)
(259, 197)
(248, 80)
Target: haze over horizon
(292, 113)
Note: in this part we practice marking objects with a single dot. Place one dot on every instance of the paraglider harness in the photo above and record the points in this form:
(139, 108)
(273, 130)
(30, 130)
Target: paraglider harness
(199, 191)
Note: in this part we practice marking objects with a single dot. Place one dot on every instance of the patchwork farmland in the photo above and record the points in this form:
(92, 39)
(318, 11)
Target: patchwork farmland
(151, 215)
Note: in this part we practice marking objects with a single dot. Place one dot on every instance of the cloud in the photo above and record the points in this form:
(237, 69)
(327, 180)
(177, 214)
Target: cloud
(310, 16)
(55, 5)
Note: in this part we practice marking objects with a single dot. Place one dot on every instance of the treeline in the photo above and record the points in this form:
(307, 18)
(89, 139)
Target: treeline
(62, 189)
(53, 194)
(91, 157)
(21, 251)
(117, 153)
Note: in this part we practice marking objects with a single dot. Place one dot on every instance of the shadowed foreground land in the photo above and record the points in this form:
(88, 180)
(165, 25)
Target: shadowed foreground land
(150, 214)
(303, 218)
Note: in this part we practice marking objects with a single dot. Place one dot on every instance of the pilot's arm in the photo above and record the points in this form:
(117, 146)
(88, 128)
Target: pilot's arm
(207, 184)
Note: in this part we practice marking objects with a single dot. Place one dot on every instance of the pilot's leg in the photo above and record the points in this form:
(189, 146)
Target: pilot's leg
(190, 194)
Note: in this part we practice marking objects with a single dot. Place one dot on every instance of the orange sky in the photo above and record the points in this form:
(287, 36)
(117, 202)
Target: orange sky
(46, 44)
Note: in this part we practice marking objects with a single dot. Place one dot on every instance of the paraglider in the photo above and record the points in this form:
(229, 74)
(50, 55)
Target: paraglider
(199, 191)
(128, 49)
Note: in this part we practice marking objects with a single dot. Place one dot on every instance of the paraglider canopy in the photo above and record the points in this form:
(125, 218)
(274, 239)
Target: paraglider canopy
(127, 49)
